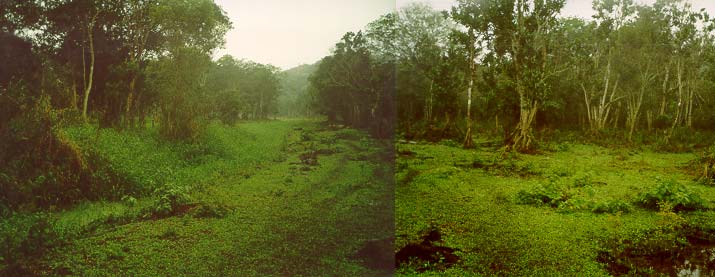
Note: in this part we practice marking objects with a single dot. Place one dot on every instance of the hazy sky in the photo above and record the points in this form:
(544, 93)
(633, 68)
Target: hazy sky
(579, 8)
(288, 33)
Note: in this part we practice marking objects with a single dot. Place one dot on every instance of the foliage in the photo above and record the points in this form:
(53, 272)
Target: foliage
(583, 181)
(170, 200)
(295, 99)
(566, 240)
(634, 73)
(178, 78)
(669, 191)
(211, 209)
(242, 90)
(551, 194)
(355, 88)
(40, 166)
(706, 161)
(23, 238)
(612, 206)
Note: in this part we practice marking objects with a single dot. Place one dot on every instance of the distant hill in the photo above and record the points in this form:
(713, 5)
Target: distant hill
(295, 100)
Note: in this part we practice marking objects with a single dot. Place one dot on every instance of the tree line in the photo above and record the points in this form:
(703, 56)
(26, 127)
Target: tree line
(121, 62)
(517, 66)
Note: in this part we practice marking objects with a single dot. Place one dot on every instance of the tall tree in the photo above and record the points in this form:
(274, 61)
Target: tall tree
(474, 16)
(523, 39)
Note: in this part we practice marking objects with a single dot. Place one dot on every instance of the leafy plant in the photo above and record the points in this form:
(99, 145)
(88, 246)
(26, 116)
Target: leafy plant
(612, 207)
(680, 197)
(24, 237)
(170, 200)
(129, 200)
(706, 163)
(583, 181)
(552, 194)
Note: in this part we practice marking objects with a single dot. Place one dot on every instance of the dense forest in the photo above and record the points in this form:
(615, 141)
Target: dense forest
(295, 98)
(518, 68)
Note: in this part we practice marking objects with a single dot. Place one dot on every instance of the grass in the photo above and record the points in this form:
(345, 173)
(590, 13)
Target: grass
(251, 207)
(476, 204)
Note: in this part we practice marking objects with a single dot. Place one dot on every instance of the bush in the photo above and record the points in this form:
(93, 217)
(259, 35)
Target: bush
(612, 207)
(176, 79)
(706, 163)
(583, 181)
(211, 210)
(24, 237)
(551, 194)
(40, 166)
(574, 204)
(171, 201)
(662, 121)
(678, 196)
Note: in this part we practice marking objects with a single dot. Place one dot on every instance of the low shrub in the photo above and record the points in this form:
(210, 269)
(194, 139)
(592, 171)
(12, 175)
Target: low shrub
(211, 210)
(705, 164)
(677, 195)
(171, 201)
(612, 207)
(574, 205)
(662, 121)
(40, 167)
(552, 194)
(562, 171)
(24, 237)
(583, 181)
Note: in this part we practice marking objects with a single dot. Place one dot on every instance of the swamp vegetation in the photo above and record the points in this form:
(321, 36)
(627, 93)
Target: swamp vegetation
(495, 138)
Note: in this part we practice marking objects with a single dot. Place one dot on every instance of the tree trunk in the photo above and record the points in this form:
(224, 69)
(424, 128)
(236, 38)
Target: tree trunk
(468, 141)
(430, 103)
(74, 95)
(679, 108)
(130, 101)
(634, 105)
(523, 135)
(665, 90)
(598, 112)
(88, 84)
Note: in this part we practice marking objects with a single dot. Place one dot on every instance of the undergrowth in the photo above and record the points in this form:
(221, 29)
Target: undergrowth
(680, 197)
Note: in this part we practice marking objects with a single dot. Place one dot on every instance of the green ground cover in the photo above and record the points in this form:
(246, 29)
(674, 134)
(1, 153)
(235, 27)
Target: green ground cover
(561, 213)
(288, 197)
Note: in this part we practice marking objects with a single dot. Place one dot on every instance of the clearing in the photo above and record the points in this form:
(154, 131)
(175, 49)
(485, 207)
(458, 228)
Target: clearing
(283, 197)
(578, 210)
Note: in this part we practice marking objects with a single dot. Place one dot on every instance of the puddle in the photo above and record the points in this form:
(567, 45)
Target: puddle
(427, 255)
(699, 263)
(695, 260)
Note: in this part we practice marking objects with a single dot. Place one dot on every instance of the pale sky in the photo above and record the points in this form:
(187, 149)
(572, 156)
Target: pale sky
(577, 8)
(288, 33)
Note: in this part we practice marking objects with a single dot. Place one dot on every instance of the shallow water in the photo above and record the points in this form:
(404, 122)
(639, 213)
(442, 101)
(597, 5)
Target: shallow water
(697, 260)
(700, 262)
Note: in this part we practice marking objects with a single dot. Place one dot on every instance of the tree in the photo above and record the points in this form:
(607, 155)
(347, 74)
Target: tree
(295, 99)
(473, 16)
(523, 40)
(352, 87)
(415, 38)
(179, 80)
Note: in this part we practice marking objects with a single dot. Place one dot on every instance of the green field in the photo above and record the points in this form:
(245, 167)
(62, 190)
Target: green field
(489, 207)
(284, 197)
